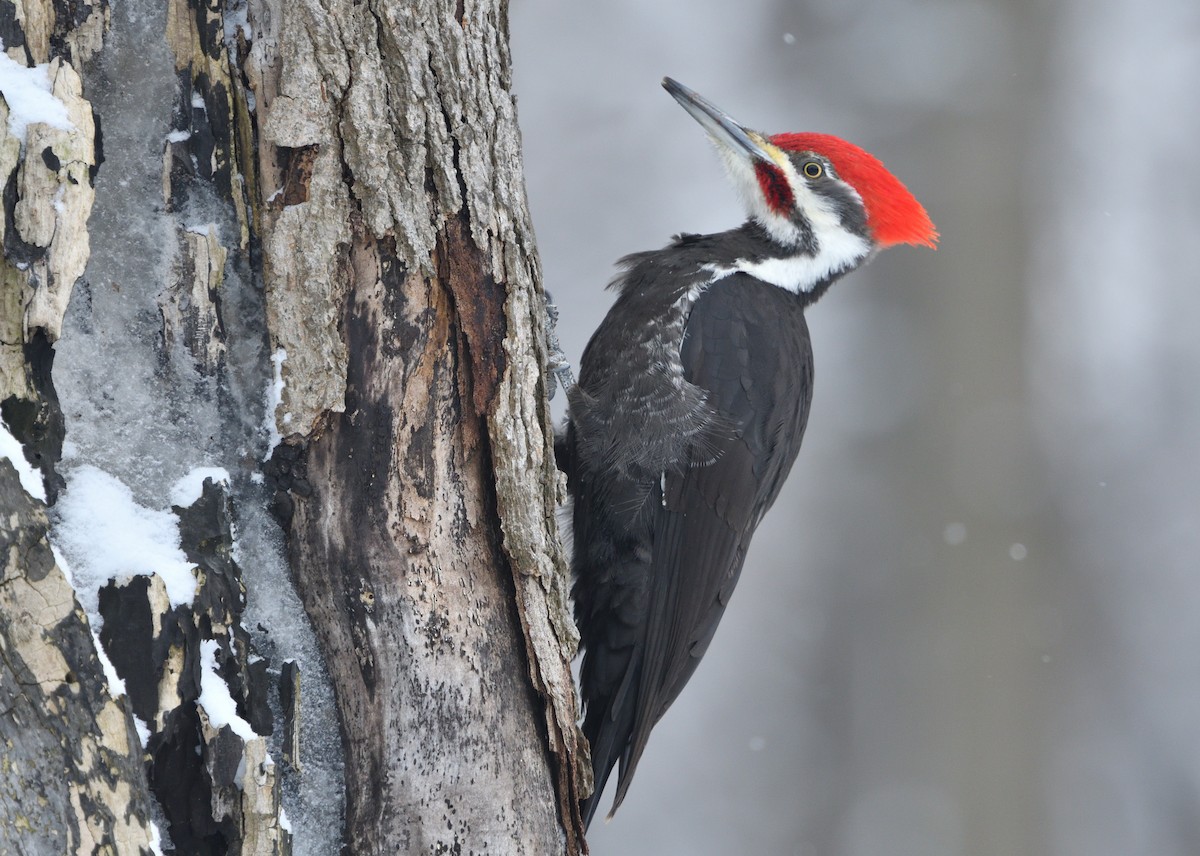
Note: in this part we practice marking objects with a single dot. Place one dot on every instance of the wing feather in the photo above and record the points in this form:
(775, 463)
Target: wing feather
(746, 344)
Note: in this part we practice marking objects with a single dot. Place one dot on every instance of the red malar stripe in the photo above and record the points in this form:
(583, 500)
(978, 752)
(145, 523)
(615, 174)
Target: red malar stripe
(775, 187)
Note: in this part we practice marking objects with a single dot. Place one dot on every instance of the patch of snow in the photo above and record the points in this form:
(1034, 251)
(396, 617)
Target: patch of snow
(105, 534)
(27, 92)
(143, 730)
(187, 490)
(179, 136)
(155, 840)
(284, 823)
(116, 686)
(215, 697)
(31, 479)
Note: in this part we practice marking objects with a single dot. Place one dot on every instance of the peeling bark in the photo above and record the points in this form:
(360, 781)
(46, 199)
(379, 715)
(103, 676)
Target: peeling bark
(55, 197)
(70, 763)
(218, 791)
(415, 247)
(73, 778)
(369, 154)
(48, 197)
(190, 306)
(47, 201)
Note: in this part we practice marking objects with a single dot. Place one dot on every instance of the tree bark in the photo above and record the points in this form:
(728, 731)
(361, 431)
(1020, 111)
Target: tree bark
(72, 776)
(72, 767)
(423, 536)
(369, 159)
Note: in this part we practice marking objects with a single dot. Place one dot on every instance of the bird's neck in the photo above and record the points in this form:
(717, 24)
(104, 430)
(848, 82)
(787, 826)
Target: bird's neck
(805, 269)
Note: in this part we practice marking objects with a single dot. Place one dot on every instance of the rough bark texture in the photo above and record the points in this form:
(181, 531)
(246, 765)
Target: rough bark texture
(76, 778)
(218, 791)
(411, 591)
(390, 165)
(48, 196)
(71, 776)
(370, 159)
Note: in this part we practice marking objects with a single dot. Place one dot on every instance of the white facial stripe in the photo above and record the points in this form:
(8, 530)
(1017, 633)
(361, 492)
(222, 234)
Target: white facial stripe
(838, 252)
(741, 171)
(838, 249)
(818, 210)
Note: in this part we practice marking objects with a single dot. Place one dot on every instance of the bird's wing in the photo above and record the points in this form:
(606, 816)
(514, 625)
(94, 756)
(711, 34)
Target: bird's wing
(746, 344)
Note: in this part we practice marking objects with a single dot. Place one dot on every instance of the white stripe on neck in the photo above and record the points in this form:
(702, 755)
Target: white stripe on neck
(800, 274)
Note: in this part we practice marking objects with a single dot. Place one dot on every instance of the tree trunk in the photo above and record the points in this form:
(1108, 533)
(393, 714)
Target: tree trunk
(360, 164)
(72, 773)
(72, 778)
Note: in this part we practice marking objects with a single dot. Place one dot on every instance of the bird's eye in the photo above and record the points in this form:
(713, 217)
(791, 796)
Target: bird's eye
(813, 169)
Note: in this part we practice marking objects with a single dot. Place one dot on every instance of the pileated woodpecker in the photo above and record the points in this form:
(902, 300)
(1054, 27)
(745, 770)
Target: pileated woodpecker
(692, 399)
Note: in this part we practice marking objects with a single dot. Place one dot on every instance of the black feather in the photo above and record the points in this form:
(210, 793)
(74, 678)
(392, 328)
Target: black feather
(670, 477)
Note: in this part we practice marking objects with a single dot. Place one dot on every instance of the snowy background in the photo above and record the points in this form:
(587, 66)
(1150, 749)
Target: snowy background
(971, 625)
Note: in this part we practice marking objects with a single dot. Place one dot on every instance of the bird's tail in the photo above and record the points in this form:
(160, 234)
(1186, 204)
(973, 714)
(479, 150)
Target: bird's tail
(607, 730)
(610, 598)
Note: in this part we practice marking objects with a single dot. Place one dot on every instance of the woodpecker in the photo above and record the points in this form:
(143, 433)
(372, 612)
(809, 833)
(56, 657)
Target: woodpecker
(691, 402)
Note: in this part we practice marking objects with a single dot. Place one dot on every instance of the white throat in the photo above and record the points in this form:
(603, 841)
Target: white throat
(837, 249)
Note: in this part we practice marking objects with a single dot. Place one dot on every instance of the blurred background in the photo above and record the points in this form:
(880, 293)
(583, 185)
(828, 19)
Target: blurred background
(971, 624)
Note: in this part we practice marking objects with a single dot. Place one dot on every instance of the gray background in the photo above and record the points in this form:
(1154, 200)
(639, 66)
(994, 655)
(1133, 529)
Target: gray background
(969, 626)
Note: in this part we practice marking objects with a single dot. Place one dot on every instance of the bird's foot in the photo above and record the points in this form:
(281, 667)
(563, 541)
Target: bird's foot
(556, 360)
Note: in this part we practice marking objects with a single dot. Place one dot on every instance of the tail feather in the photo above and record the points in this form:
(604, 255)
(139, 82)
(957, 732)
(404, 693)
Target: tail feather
(607, 729)
(611, 561)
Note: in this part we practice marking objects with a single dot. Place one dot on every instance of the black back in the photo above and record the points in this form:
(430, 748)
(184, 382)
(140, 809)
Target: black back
(661, 532)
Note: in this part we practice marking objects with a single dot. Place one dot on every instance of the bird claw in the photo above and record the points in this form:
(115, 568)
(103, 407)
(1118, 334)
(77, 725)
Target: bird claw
(556, 361)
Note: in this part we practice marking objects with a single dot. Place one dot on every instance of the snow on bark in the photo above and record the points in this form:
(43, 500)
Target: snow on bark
(73, 779)
(370, 152)
(155, 634)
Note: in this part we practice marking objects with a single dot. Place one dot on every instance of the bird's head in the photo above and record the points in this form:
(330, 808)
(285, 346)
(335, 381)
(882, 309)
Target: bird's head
(816, 195)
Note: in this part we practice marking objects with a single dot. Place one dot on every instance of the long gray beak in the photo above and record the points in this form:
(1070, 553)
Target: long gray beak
(719, 124)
